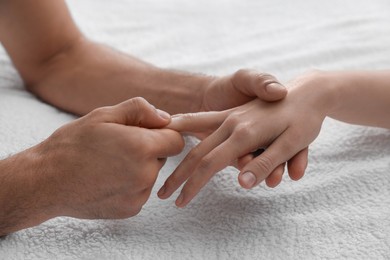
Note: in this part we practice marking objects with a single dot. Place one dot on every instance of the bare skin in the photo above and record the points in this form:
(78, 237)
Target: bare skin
(63, 67)
(285, 127)
(102, 165)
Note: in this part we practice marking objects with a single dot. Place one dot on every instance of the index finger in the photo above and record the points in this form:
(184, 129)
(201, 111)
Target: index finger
(197, 122)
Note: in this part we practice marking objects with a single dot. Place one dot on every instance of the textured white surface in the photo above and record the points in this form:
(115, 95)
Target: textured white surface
(339, 210)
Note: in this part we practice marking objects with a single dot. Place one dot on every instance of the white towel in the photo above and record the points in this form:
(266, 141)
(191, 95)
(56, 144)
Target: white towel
(339, 210)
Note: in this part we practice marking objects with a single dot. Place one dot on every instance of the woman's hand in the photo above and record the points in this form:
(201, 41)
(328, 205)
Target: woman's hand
(221, 93)
(286, 128)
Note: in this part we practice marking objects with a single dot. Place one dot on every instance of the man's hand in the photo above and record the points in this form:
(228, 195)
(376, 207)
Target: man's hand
(239, 88)
(103, 165)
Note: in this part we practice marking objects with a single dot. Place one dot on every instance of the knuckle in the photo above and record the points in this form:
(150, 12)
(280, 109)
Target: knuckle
(263, 165)
(100, 112)
(139, 101)
(265, 79)
(233, 120)
(205, 165)
(242, 130)
(240, 73)
(241, 76)
(139, 105)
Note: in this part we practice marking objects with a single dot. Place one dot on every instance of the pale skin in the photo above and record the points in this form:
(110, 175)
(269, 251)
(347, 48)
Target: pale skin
(104, 164)
(286, 128)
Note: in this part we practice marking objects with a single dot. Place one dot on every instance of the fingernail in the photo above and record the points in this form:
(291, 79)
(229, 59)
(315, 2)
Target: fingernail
(163, 114)
(161, 192)
(248, 179)
(179, 200)
(275, 87)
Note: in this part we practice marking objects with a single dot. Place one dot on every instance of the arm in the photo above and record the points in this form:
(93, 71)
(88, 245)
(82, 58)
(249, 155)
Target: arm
(65, 69)
(61, 66)
(361, 97)
(286, 128)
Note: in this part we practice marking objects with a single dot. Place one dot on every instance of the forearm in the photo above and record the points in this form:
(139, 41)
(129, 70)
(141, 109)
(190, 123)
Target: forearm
(58, 64)
(92, 75)
(356, 97)
(34, 31)
(21, 202)
(362, 97)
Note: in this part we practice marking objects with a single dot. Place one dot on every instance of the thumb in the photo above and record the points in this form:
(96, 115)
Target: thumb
(255, 84)
(135, 112)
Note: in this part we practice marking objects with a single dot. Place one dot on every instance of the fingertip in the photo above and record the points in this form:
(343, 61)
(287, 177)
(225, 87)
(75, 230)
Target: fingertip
(164, 115)
(162, 192)
(273, 180)
(247, 180)
(276, 90)
(297, 165)
(296, 176)
(180, 203)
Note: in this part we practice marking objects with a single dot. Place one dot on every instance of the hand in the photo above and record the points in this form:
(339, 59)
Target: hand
(239, 88)
(286, 128)
(104, 165)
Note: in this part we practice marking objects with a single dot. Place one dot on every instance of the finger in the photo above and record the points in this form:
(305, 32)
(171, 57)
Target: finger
(243, 160)
(135, 112)
(280, 151)
(187, 166)
(213, 162)
(297, 165)
(275, 177)
(197, 122)
(166, 143)
(261, 85)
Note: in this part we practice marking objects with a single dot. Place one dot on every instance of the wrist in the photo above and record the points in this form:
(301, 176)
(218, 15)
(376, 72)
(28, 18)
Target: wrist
(79, 79)
(179, 92)
(23, 202)
(319, 89)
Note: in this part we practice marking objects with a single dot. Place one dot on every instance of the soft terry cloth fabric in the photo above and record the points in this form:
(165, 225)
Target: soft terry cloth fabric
(340, 209)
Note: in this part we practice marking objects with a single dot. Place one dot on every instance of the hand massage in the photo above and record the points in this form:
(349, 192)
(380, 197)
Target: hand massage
(132, 118)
